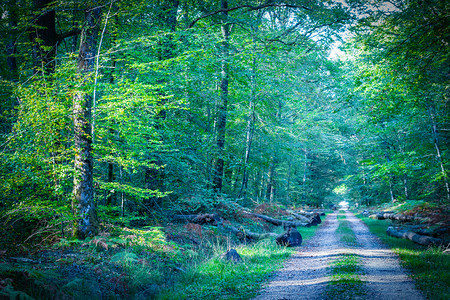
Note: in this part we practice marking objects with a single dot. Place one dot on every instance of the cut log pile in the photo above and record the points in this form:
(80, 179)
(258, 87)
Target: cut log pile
(278, 222)
(291, 237)
(416, 238)
(413, 227)
(242, 234)
(398, 217)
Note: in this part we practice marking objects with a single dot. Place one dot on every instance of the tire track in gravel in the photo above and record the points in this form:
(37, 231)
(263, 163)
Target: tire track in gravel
(306, 274)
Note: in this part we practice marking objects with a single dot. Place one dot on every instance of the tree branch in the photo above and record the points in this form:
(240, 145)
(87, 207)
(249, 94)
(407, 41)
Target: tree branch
(249, 8)
(65, 35)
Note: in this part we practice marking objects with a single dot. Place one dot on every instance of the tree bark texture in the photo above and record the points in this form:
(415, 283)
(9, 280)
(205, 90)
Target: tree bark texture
(84, 207)
(300, 216)
(215, 220)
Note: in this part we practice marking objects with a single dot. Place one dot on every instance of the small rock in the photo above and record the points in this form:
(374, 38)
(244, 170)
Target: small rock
(233, 256)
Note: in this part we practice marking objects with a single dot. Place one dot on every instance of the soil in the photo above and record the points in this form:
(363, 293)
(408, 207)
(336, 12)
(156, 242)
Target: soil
(307, 274)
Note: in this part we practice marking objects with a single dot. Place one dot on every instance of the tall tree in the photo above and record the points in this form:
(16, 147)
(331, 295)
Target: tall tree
(84, 206)
(223, 104)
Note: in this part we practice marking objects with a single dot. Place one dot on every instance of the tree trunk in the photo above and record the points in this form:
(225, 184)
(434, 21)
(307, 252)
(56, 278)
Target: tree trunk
(223, 107)
(405, 186)
(438, 151)
(154, 177)
(43, 36)
(251, 115)
(111, 176)
(288, 181)
(305, 170)
(391, 177)
(83, 205)
(270, 190)
(11, 47)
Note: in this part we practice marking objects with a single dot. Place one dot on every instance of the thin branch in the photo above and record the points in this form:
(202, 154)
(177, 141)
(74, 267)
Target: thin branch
(96, 71)
(65, 35)
(249, 8)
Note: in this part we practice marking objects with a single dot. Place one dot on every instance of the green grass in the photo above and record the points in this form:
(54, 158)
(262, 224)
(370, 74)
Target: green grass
(345, 281)
(218, 279)
(430, 267)
(344, 232)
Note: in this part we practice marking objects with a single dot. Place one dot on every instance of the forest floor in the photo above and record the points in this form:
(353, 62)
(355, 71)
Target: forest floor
(339, 259)
(309, 274)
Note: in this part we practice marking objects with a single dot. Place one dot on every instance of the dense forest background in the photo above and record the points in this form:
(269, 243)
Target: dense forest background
(129, 111)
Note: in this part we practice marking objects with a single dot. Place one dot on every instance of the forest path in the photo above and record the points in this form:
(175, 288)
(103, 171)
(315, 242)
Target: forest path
(306, 274)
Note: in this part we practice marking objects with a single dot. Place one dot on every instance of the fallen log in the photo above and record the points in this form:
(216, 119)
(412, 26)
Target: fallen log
(311, 213)
(299, 216)
(416, 238)
(246, 234)
(426, 229)
(201, 219)
(278, 222)
(398, 217)
(215, 220)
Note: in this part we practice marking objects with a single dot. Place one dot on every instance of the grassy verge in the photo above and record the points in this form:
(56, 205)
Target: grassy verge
(345, 280)
(430, 267)
(218, 279)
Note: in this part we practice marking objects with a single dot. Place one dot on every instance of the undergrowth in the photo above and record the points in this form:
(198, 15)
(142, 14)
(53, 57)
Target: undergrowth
(430, 266)
(175, 262)
(216, 278)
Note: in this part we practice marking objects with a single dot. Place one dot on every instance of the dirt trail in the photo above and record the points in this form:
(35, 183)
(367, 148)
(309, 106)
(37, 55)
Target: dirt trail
(306, 274)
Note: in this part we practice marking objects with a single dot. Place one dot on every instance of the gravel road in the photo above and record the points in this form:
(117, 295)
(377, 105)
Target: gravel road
(307, 273)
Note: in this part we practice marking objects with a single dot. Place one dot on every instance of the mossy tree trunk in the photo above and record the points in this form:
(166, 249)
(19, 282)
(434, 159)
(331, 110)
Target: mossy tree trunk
(83, 205)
